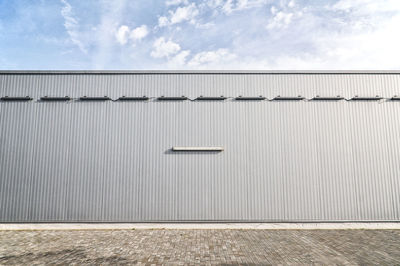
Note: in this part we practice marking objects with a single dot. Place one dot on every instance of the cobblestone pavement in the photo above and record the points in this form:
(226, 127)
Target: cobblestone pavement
(250, 247)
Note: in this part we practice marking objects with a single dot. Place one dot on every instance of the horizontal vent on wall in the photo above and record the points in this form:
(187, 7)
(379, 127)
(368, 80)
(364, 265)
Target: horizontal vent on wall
(324, 98)
(207, 98)
(128, 98)
(395, 98)
(102, 98)
(198, 149)
(55, 99)
(285, 98)
(16, 99)
(177, 98)
(368, 98)
(204, 98)
(241, 98)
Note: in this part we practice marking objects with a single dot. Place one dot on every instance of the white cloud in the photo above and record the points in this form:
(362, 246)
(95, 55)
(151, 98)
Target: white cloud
(230, 6)
(367, 49)
(163, 48)
(139, 33)
(345, 35)
(290, 34)
(181, 14)
(176, 2)
(367, 6)
(216, 57)
(101, 36)
(179, 60)
(357, 35)
(123, 34)
(163, 21)
(280, 19)
(283, 14)
(184, 13)
(71, 25)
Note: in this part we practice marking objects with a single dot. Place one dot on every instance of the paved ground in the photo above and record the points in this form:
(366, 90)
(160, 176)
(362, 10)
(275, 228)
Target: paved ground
(178, 226)
(252, 247)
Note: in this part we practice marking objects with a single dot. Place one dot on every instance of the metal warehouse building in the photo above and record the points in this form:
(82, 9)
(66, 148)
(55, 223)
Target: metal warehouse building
(132, 146)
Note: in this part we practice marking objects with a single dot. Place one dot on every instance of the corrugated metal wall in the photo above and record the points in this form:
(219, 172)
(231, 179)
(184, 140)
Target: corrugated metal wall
(283, 161)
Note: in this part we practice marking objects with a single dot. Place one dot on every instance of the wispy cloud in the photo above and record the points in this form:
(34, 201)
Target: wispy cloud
(279, 19)
(340, 35)
(230, 6)
(179, 60)
(366, 6)
(176, 2)
(204, 34)
(71, 25)
(104, 32)
(212, 58)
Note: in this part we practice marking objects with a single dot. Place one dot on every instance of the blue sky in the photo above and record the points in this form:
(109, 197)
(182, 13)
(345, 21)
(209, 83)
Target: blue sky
(204, 34)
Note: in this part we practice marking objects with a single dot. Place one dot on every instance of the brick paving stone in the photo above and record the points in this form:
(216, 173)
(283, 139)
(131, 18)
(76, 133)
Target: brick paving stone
(205, 247)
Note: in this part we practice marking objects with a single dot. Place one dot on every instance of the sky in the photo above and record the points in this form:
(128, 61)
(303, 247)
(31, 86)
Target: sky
(203, 34)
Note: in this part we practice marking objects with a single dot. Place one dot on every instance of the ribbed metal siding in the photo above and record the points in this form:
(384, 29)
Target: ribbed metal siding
(111, 161)
(193, 85)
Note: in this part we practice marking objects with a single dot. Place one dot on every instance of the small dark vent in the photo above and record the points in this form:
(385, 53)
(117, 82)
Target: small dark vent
(280, 98)
(319, 98)
(55, 99)
(16, 99)
(208, 98)
(127, 98)
(241, 98)
(86, 98)
(163, 98)
(357, 98)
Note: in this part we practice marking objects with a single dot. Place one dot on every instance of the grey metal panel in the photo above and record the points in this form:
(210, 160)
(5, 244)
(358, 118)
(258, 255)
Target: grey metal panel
(193, 85)
(286, 161)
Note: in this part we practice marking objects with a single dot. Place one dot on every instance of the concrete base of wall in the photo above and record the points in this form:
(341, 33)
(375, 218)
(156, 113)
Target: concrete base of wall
(248, 226)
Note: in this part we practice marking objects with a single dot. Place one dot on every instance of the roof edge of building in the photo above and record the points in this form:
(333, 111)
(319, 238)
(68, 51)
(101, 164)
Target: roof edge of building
(47, 72)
